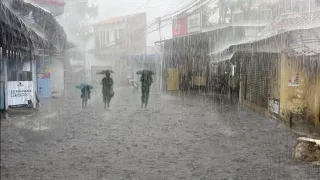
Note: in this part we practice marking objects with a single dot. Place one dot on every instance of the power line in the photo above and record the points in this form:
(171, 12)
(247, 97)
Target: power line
(159, 21)
(173, 8)
(203, 4)
(168, 14)
(143, 4)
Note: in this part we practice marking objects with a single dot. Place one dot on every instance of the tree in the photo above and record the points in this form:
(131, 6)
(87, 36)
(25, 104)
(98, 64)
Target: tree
(207, 12)
(245, 6)
(232, 5)
(223, 9)
(78, 13)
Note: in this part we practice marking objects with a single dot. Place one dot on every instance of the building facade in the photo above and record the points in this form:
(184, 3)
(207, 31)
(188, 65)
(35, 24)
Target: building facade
(117, 37)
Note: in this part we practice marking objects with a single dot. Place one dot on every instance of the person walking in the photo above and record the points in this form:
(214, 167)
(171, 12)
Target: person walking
(184, 88)
(146, 81)
(107, 89)
(85, 95)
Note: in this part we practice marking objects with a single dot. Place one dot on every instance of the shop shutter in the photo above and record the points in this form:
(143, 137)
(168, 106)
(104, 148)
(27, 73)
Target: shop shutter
(257, 81)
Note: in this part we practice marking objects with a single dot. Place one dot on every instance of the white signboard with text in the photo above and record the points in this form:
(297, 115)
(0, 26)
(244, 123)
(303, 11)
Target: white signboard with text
(19, 92)
(194, 23)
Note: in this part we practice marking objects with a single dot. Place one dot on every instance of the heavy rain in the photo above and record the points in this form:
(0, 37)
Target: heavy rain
(168, 90)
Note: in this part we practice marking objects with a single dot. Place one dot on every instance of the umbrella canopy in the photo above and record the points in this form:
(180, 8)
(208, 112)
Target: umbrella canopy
(105, 71)
(147, 71)
(82, 85)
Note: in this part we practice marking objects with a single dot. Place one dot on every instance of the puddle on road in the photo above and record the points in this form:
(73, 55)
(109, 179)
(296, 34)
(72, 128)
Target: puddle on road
(40, 128)
(35, 124)
(34, 127)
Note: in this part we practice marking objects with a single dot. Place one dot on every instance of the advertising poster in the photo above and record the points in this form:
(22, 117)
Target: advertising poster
(194, 23)
(43, 68)
(294, 80)
(19, 92)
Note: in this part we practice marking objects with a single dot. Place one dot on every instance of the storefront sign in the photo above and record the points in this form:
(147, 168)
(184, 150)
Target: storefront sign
(179, 27)
(194, 23)
(141, 57)
(19, 92)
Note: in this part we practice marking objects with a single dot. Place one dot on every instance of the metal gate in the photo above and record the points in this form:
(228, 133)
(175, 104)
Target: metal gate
(257, 69)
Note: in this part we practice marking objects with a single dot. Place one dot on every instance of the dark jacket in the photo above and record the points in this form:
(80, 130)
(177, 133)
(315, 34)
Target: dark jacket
(85, 93)
(107, 86)
(146, 80)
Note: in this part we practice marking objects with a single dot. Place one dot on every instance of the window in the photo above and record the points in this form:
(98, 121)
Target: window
(19, 70)
(97, 40)
(116, 36)
(137, 34)
(103, 38)
(121, 33)
(107, 37)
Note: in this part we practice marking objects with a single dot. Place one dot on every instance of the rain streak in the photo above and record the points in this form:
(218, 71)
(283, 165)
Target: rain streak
(168, 90)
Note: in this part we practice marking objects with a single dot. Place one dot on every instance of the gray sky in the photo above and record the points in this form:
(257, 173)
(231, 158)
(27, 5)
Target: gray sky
(153, 8)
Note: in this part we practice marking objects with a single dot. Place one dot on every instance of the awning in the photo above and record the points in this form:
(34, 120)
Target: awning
(11, 24)
(56, 7)
(41, 21)
(278, 30)
(274, 44)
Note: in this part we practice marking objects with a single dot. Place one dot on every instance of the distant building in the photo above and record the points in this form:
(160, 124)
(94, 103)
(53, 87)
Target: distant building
(117, 37)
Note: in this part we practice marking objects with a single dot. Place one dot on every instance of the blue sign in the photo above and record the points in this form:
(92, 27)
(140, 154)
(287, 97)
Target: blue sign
(140, 57)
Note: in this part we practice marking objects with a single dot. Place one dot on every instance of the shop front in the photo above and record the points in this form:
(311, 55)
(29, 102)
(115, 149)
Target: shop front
(20, 81)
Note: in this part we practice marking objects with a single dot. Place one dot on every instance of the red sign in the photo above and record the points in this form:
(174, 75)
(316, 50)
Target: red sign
(179, 27)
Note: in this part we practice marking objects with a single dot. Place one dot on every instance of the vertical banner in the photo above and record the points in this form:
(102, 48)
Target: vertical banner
(179, 27)
(19, 92)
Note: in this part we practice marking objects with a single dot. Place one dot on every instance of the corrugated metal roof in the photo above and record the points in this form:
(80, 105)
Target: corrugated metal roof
(305, 42)
(307, 45)
(294, 21)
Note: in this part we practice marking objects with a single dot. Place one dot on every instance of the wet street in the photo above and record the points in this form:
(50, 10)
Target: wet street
(173, 139)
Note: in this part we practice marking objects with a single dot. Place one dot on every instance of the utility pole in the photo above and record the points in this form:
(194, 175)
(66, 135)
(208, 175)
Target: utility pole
(159, 24)
(161, 54)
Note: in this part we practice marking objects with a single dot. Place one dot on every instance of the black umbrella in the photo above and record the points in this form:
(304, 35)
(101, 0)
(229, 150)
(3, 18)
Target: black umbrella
(107, 71)
(146, 71)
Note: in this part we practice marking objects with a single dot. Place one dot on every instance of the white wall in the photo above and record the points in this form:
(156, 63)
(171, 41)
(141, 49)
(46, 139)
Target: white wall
(57, 76)
(110, 29)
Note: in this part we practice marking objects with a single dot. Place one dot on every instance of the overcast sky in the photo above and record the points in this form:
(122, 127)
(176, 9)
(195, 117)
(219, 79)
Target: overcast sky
(153, 8)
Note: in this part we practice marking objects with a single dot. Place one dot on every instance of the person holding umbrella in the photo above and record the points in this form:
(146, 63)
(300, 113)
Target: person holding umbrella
(85, 93)
(146, 81)
(107, 88)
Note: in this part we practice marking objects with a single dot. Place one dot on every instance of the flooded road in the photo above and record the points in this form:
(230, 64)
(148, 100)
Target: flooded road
(172, 139)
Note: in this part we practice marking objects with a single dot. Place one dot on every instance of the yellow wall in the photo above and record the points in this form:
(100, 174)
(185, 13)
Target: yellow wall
(173, 79)
(304, 95)
(317, 102)
(199, 80)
